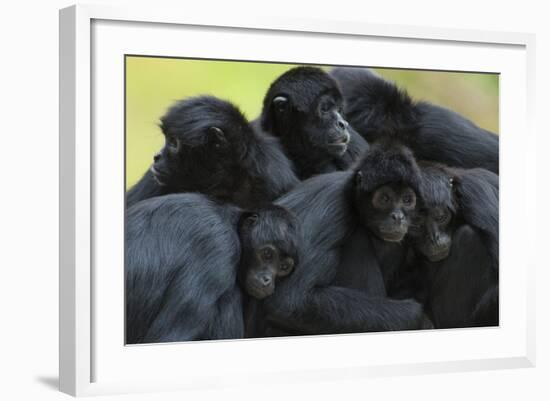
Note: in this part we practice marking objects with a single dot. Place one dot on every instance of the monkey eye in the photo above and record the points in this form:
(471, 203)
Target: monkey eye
(172, 143)
(385, 198)
(409, 199)
(287, 265)
(442, 218)
(326, 107)
(267, 254)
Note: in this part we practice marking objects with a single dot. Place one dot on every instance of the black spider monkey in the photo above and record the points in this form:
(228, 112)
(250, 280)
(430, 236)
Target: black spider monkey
(304, 109)
(210, 148)
(453, 269)
(194, 267)
(378, 109)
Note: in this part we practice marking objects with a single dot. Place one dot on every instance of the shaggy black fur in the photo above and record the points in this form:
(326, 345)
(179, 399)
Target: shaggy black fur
(387, 163)
(210, 148)
(303, 108)
(315, 299)
(459, 289)
(378, 109)
(184, 258)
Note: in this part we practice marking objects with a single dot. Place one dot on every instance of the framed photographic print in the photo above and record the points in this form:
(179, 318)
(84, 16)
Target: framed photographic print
(289, 199)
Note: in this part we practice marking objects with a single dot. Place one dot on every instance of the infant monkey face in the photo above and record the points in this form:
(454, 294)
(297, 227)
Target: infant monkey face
(266, 265)
(270, 241)
(391, 206)
(432, 232)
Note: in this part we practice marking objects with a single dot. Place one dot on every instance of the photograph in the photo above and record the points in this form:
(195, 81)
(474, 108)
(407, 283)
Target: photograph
(223, 201)
(267, 199)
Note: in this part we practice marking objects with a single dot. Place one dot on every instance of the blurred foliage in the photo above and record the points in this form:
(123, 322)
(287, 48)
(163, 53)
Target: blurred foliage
(153, 84)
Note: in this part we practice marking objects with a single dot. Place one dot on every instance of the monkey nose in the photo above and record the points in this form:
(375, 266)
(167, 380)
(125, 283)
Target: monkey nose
(265, 280)
(397, 217)
(342, 124)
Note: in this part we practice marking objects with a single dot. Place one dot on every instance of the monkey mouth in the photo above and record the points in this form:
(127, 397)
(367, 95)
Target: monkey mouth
(259, 293)
(157, 176)
(438, 255)
(392, 236)
(340, 145)
(341, 140)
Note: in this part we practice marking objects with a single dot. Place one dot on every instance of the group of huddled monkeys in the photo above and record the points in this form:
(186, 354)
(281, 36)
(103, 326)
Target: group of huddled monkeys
(345, 207)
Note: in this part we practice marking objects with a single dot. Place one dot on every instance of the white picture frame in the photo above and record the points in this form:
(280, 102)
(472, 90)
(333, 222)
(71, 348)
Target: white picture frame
(93, 358)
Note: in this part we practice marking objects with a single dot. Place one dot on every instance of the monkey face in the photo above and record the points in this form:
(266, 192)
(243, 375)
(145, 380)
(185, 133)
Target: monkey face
(269, 241)
(331, 126)
(431, 232)
(386, 211)
(267, 263)
(304, 107)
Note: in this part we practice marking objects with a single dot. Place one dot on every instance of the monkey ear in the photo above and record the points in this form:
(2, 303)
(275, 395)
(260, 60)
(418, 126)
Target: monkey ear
(280, 104)
(358, 179)
(217, 136)
(455, 188)
(248, 219)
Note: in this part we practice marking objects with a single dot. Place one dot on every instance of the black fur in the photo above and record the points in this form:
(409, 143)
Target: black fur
(318, 299)
(460, 290)
(184, 262)
(473, 198)
(218, 154)
(477, 193)
(305, 132)
(378, 109)
(386, 163)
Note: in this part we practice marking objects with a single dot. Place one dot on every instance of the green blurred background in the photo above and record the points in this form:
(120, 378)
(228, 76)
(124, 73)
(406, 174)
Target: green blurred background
(153, 84)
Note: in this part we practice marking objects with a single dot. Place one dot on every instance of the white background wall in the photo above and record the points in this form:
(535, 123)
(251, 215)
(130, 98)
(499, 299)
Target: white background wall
(29, 186)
